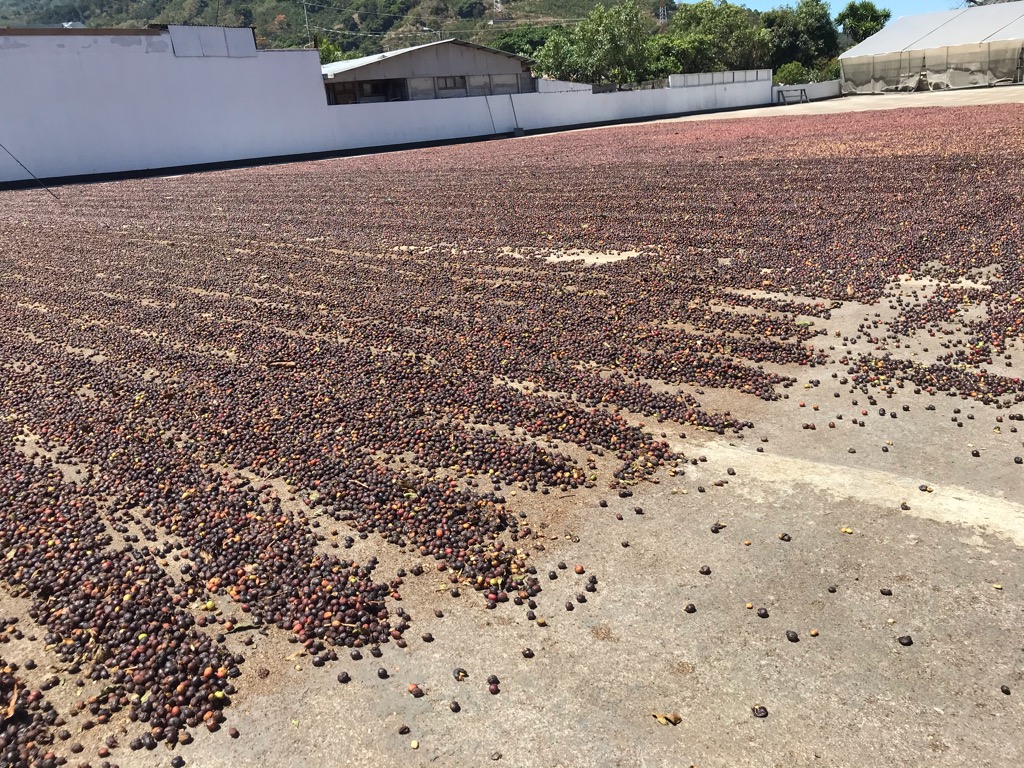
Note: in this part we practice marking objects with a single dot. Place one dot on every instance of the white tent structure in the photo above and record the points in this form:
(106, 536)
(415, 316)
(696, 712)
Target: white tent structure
(950, 49)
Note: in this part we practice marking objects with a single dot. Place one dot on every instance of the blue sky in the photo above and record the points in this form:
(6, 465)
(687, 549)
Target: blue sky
(898, 7)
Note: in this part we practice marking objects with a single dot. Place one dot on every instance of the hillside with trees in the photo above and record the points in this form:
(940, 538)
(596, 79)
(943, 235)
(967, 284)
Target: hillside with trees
(570, 39)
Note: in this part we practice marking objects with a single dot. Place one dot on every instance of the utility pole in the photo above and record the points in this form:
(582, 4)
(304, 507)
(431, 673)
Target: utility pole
(305, 10)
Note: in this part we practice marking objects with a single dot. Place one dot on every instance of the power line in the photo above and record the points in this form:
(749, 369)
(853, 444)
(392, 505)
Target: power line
(24, 168)
(496, 29)
(324, 6)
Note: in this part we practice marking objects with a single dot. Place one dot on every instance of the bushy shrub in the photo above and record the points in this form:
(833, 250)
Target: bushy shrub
(792, 73)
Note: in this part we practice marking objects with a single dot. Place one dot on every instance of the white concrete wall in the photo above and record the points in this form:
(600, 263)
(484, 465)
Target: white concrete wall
(80, 105)
(692, 79)
(546, 85)
(407, 122)
(72, 105)
(537, 111)
(829, 89)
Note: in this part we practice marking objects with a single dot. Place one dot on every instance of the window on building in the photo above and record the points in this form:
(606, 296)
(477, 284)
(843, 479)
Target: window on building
(367, 91)
(451, 83)
(373, 89)
(341, 93)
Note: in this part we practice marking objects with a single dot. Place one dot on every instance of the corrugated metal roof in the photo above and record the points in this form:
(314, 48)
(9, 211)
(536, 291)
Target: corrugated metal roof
(965, 26)
(346, 66)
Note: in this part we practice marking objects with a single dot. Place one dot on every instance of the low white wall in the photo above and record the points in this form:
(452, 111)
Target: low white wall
(693, 79)
(538, 111)
(93, 104)
(544, 85)
(829, 89)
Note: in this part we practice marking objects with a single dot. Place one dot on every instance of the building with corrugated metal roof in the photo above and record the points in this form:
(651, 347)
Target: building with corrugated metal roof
(444, 69)
(951, 49)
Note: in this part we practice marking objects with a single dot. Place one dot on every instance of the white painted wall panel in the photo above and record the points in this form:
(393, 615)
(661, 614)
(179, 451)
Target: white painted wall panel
(185, 41)
(502, 113)
(241, 42)
(123, 106)
(405, 122)
(213, 41)
(538, 111)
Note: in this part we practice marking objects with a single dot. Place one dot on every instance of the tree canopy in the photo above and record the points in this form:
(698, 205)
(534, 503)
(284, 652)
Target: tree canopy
(611, 45)
(722, 35)
(860, 20)
(522, 41)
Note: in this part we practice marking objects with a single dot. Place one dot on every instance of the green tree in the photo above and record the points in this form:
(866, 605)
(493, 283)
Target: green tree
(860, 20)
(784, 36)
(827, 70)
(523, 41)
(609, 46)
(469, 9)
(718, 35)
(670, 54)
(818, 31)
(792, 73)
(329, 52)
(556, 58)
(805, 34)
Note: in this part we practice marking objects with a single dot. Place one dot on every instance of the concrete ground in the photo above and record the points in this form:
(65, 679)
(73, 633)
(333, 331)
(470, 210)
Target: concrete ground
(849, 696)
